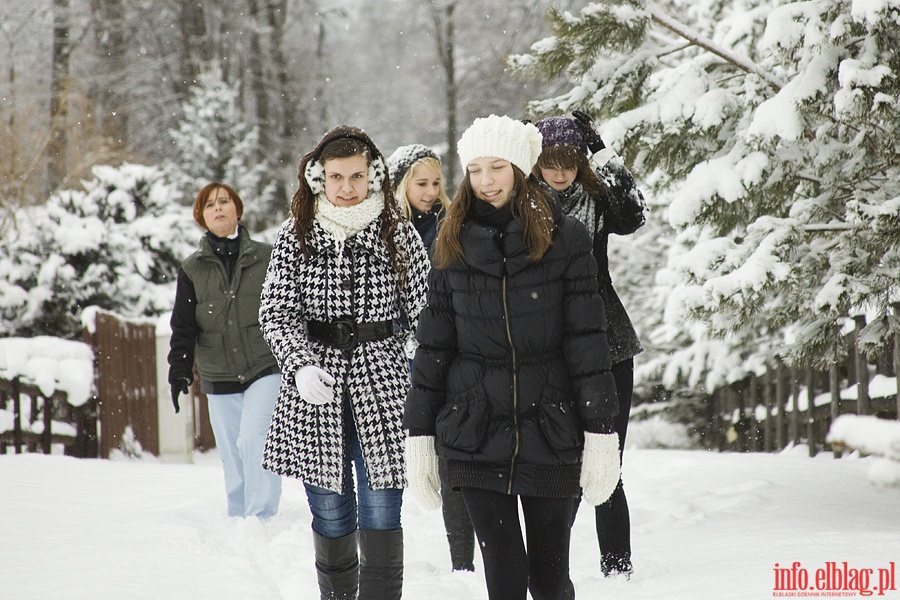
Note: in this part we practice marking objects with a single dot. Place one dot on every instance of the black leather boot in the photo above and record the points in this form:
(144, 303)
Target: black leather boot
(337, 566)
(380, 564)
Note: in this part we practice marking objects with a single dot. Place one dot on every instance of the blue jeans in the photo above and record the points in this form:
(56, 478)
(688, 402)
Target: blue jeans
(240, 423)
(336, 515)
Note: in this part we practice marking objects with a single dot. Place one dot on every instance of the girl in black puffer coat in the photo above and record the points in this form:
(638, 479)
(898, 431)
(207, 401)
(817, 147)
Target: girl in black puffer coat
(595, 187)
(511, 377)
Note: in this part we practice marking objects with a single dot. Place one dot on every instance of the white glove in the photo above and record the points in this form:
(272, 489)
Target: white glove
(314, 385)
(422, 470)
(600, 468)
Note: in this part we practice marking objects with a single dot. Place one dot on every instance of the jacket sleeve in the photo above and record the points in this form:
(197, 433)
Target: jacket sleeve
(412, 295)
(184, 330)
(436, 335)
(585, 345)
(625, 208)
(281, 310)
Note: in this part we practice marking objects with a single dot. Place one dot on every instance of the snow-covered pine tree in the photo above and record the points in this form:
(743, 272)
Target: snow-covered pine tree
(213, 142)
(116, 245)
(775, 124)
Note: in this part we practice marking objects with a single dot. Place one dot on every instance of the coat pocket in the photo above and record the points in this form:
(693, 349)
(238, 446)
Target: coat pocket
(463, 422)
(558, 420)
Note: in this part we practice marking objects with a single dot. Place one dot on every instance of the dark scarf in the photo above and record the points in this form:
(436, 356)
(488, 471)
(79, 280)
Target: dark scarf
(227, 249)
(486, 214)
(575, 202)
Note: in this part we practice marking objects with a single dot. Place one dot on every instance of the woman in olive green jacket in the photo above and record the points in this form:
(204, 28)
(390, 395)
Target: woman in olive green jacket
(216, 321)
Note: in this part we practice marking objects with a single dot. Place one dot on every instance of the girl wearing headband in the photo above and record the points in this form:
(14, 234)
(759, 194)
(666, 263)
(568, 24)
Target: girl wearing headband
(344, 266)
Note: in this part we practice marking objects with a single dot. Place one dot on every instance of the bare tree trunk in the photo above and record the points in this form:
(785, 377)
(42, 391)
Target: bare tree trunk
(320, 97)
(195, 47)
(57, 149)
(445, 33)
(276, 12)
(111, 38)
(258, 86)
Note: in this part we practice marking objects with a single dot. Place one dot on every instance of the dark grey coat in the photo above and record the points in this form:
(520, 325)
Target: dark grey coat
(620, 211)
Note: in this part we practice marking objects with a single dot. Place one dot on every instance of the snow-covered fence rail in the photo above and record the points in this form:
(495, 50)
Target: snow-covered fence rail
(45, 396)
(867, 435)
(871, 436)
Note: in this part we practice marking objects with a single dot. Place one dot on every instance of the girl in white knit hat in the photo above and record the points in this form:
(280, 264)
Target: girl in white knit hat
(511, 379)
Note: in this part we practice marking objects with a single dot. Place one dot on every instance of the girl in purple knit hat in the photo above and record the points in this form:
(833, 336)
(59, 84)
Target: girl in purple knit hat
(595, 187)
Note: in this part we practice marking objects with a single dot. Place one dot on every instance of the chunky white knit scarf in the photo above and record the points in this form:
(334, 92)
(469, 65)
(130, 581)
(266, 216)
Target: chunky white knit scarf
(344, 222)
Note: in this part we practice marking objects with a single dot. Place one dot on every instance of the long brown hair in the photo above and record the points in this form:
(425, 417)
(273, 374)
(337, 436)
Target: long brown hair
(530, 202)
(566, 156)
(345, 141)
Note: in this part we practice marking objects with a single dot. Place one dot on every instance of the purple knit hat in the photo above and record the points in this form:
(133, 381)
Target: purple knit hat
(561, 130)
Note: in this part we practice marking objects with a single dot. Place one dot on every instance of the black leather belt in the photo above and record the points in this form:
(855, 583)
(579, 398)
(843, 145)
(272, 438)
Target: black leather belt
(345, 334)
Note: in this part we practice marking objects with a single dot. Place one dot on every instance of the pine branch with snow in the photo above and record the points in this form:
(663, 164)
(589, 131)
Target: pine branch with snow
(775, 126)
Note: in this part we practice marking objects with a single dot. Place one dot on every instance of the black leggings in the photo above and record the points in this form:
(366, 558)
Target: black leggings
(612, 517)
(509, 569)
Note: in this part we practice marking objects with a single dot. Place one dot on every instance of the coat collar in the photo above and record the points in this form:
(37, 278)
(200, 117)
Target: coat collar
(489, 250)
(205, 247)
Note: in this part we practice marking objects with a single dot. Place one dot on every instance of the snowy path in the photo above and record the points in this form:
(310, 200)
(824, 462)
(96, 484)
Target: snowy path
(705, 526)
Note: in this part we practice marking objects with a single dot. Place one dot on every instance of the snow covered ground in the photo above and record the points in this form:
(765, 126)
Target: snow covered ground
(705, 526)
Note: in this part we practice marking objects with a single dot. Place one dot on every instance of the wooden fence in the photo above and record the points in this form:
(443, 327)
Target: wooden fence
(796, 405)
(126, 382)
(43, 421)
(127, 399)
(125, 367)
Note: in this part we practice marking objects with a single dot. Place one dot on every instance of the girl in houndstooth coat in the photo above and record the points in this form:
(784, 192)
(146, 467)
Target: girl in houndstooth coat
(343, 266)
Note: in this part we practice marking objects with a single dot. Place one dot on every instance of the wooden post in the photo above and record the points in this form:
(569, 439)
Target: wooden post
(3, 444)
(768, 424)
(810, 411)
(795, 405)
(896, 308)
(834, 387)
(862, 369)
(753, 402)
(17, 415)
(718, 426)
(780, 397)
(47, 435)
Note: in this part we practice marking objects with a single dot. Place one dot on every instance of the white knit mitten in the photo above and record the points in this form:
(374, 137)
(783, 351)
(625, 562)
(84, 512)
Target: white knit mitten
(600, 469)
(314, 384)
(422, 470)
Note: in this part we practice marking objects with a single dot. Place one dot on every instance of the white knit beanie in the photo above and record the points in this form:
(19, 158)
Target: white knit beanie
(501, 137)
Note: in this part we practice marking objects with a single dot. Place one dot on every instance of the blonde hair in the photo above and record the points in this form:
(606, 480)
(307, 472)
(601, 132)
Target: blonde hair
(400, 191)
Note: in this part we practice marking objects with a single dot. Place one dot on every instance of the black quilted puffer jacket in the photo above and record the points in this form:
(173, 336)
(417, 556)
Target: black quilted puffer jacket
(513, 361)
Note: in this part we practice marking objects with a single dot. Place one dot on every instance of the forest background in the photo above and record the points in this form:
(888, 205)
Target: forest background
(764, 134)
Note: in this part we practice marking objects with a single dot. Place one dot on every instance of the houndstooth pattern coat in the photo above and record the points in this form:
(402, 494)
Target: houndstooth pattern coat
(354, 279)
